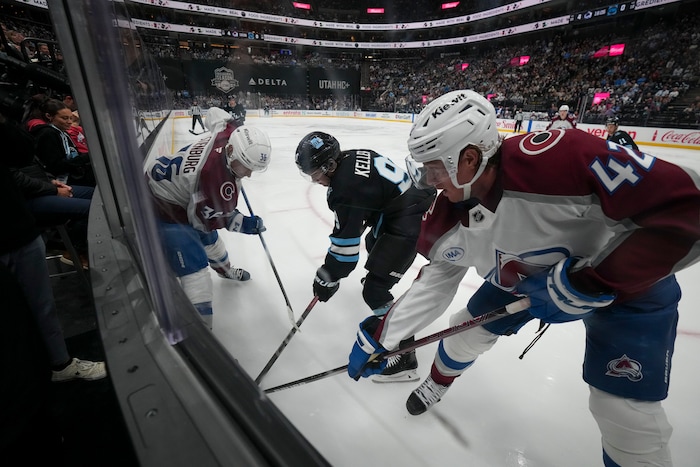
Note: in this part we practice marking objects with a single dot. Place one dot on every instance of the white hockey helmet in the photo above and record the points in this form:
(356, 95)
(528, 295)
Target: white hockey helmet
(445, 127)
(251, 147)
(564, 108)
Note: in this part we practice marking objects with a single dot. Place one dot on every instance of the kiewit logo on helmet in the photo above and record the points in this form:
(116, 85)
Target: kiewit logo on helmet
(440, 110)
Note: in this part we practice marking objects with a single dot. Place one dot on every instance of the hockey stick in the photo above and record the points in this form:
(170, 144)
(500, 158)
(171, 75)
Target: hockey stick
(494, 315)
(286, 340)
(290, 312)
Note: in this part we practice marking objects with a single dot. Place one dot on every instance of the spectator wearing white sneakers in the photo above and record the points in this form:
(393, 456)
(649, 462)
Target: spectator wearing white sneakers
(23, 253)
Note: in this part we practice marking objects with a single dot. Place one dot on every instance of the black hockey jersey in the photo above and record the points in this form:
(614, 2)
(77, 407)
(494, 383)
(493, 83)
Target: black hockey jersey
(368, 190)
(238, 113)
(623, 139)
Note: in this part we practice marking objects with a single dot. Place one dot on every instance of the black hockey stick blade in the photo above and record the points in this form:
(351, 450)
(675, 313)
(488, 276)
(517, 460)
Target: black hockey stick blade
(286, 340)
(494, 315)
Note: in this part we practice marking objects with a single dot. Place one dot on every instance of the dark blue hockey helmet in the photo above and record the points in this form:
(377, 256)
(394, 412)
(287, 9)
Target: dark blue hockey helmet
(315, 151)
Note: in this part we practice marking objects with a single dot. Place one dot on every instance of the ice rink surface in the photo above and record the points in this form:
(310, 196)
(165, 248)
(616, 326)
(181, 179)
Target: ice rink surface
(503, 411)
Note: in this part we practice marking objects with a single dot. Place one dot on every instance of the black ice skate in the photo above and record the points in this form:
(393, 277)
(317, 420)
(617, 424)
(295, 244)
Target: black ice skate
(424, 396)
(399, 368)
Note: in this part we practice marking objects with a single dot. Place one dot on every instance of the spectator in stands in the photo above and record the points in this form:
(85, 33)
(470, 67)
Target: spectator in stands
(70, 103)
(33, 115)
(77, 135)
(43, 55)
(23, 252)
(14, 45)
(27, 421)
(56, 150)
(54, 203)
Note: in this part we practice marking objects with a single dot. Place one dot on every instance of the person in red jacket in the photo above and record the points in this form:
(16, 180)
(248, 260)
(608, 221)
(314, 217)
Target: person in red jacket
(77, 135)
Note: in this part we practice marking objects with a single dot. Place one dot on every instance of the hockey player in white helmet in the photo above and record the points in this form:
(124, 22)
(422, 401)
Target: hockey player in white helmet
(551, 216)
(563, 120)
(195, 192)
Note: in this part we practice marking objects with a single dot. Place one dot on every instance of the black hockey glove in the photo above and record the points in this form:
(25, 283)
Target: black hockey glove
(324, 286)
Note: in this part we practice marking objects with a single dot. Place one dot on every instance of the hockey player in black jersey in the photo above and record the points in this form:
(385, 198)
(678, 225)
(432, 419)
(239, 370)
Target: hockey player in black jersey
(366, 191)
(236, 110)
(612, 125)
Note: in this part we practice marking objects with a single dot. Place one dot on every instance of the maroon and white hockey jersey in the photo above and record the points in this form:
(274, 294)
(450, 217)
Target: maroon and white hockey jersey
(558, 123)
(631, 217)
(195, 185)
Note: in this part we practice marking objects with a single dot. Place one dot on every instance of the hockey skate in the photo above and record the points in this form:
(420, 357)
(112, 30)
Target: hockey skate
(424, 396)
(236, 274)
(399, 368)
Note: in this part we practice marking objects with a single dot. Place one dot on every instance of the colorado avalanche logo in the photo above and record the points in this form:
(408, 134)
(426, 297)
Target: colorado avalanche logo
(453, 254)
(513, 267)
(227, 190)
(537, 143)
(625, 367)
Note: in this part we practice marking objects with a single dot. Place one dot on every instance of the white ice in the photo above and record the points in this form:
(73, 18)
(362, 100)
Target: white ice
(502, 412)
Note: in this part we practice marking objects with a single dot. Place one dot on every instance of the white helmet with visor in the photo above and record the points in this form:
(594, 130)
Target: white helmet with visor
(251, 147)
(445, 128)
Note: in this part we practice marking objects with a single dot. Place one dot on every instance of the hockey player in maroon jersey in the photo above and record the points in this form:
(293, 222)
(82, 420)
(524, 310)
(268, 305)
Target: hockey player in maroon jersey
(562, 120)
(196, 192)
(586, 228)
(366, 190)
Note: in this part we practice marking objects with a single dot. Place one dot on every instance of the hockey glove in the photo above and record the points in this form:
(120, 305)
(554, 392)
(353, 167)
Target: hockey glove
(324, 286)
(251, 225)
(365, 346)
(554, 300)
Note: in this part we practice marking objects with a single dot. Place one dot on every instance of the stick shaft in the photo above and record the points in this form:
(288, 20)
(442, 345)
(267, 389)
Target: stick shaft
(510, 309)
(267, 251)
(286, 340)
(494, 315)
(290, 311)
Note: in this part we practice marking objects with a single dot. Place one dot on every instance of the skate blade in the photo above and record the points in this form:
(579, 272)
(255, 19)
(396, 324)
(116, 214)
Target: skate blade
(402, 377)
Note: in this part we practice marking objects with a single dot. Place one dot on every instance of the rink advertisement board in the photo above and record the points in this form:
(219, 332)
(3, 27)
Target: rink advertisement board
(650, 136)
(329, 81)
(211, 77)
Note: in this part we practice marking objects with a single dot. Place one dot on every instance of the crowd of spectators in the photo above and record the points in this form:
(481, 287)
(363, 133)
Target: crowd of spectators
(643, 83)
